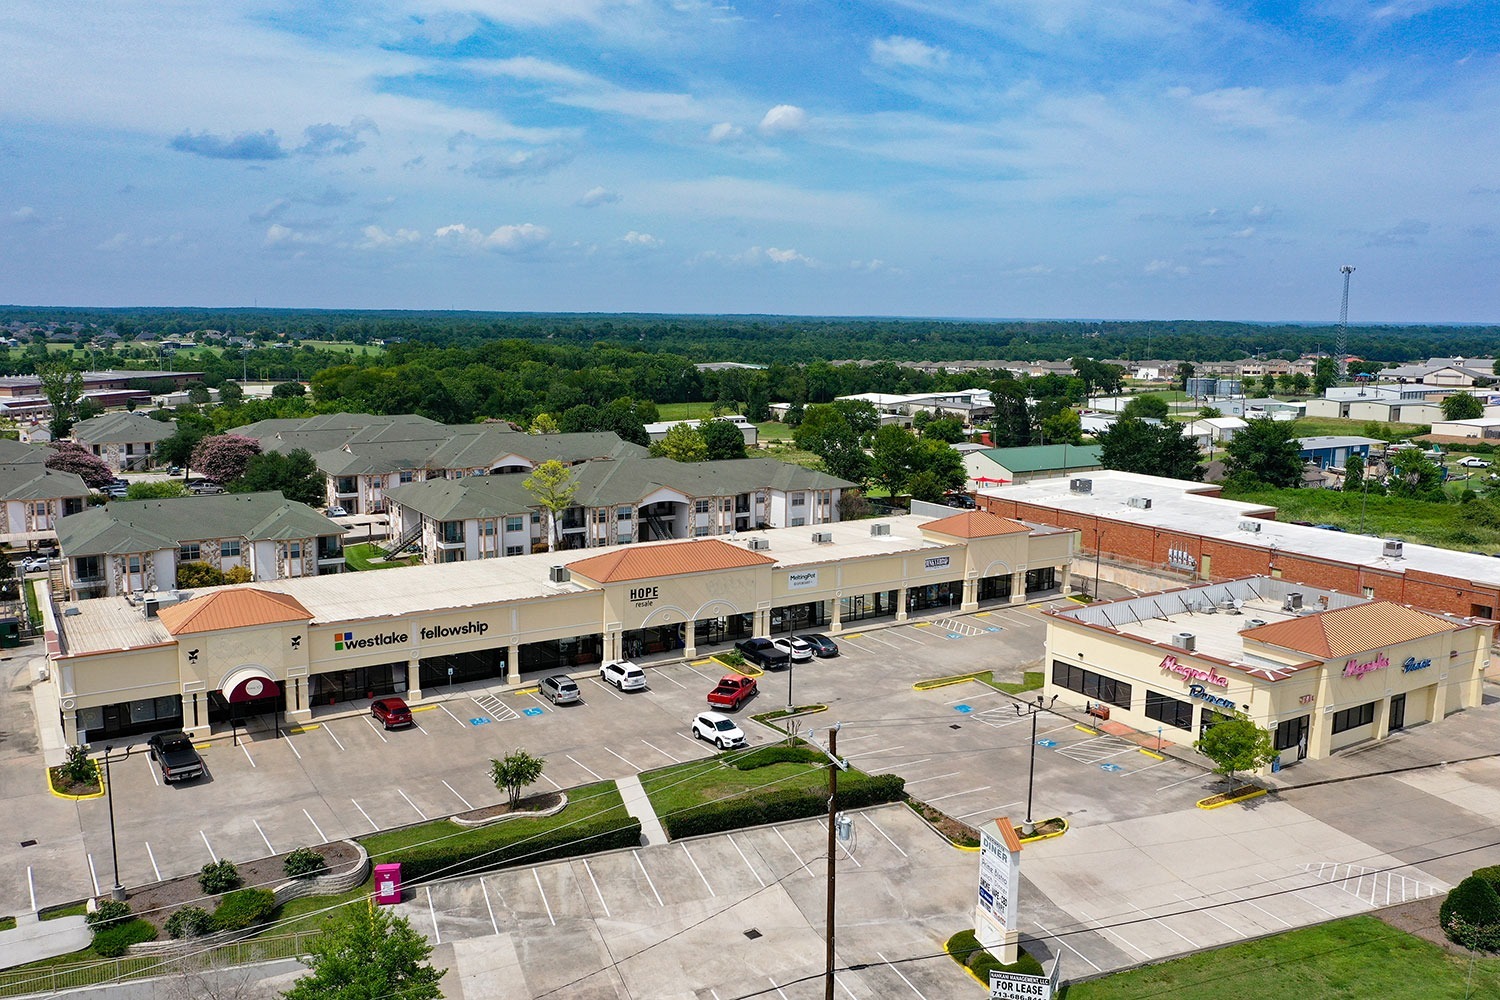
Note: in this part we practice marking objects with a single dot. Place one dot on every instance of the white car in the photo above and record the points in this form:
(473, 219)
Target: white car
(34, 564)
(718, 729)
(1473, 462)
(800, 650)
(624, 675)
(336, 511)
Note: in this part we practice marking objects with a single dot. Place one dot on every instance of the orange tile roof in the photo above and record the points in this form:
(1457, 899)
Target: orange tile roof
(232, 609)
(1348, 631)
(641, 562)
(975, 524)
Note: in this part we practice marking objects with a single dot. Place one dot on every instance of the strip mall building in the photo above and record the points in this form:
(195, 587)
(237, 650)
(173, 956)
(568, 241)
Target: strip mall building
(124, 667)
(1322, 670)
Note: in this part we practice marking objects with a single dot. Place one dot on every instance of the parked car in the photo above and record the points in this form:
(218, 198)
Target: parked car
(175, 470)
(336, 511)
(733, 691)
(763, 653)
(198, 481)
(560, 689)
(624, 675)
(822, 646)
(1473, 462)
(35, 564)
(175, 754)
(795, 647)
(960, 500)
(392, 713)
(718, 729)
(1330, 527)
(205, 491)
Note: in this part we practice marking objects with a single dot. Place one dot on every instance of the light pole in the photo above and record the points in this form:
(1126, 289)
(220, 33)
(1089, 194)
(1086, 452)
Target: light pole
(117, 892)
(789, 681)
(1033, 708)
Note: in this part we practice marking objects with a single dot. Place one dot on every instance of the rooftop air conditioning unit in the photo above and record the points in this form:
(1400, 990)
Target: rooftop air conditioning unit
(1185, 640)
(880, 529)
(1251, 526)
(822, 537)
(1391, 549)
(1140, 503)
(1293, 601)
(760, 544)
(559, 574)
(1207, 607)
(1229, 607)
(1255, 623)
(1081, 485)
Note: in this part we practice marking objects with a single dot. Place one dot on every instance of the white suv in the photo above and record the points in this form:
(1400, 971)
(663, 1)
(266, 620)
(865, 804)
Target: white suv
(624, 675)
(798, 649)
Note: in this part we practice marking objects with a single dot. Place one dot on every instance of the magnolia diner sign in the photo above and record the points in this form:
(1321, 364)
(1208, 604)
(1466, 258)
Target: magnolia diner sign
(1169, 665)
(1356, 669)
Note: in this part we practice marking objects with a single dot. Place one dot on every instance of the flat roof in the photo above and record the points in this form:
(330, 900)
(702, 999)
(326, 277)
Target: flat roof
(1178, 506)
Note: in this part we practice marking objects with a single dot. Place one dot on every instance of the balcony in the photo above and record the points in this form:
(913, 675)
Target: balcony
(330, 550)
(451, 533)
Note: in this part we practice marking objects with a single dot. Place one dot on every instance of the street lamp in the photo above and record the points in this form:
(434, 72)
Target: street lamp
(1033, 708)
(117, 892)
(789, 679)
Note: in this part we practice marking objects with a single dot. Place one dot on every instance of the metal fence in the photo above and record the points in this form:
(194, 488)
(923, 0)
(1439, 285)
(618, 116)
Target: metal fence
(39, 979)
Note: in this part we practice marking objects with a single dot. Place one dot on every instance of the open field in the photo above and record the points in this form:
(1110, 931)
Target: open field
(1472, 527)
(1315, 426)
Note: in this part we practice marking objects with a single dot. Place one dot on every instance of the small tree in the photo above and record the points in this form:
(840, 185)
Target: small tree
(514, 773)
(63, 388)
(682, 443)
(1236, 745)
(367, 952)
(554, 487)
(219, 876)
(543, 423)
(161, 489)
(722, 440)
(224, 457)
(77, 767)
(1462, 406)
(70, 456)
(191, 575)
(288, 390)
(294, 474)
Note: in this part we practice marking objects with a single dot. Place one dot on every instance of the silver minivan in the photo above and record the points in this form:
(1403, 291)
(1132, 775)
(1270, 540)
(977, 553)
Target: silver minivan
(560, 689)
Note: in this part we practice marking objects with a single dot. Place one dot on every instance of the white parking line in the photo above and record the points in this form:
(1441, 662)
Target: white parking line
(151, 770)
(992, 810)
(484, 888)
(263, 835)
(246, 749)
(596, 777)
(776, 987)
(628, 763)
(315, 825)
(793, 850)
(292, 746)
(461, 723)
(31, 887)
(856, 739)
(376, 729)
(437, 937)
(898, 972)
(981, 694)
(845, 988)
(1305, 897)
(935, 777)
(610, 688)
(1242, 899)
(335, 739)
(1065, 944)
(747, 862)
(698, 870)
(1158, 920)
(211, 855)
(152, 856)
(954, 795)
(93, 874)
(408, 802)
(1113, 933)
(1191, 777)
(867, 753)
(536, 875)
(686, 667)
(648, 878)
(555, 786)
(596, 886)
(366, 815)
(668, 677)
(886, 836)
(455, 792)
(1210, 913)
(659, 750)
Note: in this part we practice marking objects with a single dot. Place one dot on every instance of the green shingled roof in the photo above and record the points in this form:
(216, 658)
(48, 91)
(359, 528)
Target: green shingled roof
(1045, 457)
(123, 526)
(108, 428)
(30, 481)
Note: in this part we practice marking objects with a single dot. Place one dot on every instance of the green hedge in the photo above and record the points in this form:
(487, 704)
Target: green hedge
(244, 908)
(112, 940)
(776, 753)
(463, 856)
(1490, 874)
(855, 790)
(968, 952)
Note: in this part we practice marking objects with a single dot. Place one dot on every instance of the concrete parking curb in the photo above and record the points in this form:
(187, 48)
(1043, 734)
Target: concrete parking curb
(77, 798)
(1206, 804)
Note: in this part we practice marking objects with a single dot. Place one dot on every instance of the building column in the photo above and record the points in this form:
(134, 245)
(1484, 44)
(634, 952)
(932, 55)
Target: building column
(513, 663)
(836, 623)
(299, 706)
(689, 640)
(414, 679)
(1383, 718)
(1018, 587)
(1067, 578)
(1320, 723)
(612, 640)
(762, 622)
(970, 599)
(901, 604)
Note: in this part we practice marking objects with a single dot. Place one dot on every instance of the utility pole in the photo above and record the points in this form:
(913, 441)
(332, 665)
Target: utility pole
(835, 765)
(1343, 339)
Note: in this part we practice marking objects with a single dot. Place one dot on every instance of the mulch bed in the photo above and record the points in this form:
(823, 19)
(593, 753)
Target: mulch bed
(160, 900)
(540, 802)
(1046, 826)
(66, 787)
(956, 831)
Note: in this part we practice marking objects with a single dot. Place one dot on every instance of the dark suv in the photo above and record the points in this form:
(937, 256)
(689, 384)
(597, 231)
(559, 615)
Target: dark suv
(763, 653)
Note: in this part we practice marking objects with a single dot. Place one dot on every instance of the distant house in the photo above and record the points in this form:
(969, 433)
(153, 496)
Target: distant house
(1479, 427)
(35, 499)
(1017, 465)
(1210, 432)
(657, 431)
(134, 546)
(1333, 451)
(124, 440)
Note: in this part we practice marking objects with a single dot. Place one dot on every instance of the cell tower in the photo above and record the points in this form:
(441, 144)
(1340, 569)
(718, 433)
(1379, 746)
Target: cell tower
(1343, 341)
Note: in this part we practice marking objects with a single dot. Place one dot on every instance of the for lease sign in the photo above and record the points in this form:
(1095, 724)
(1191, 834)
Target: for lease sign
(1014, 986)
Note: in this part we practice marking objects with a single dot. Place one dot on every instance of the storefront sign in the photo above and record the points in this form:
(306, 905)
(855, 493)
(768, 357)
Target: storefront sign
(936, 562)
(1169, 665)
(1413, 664)
(644, 597)
(454, 631)
(999, 878)
(1357, 670)
(346, 641)
(802, 579)
(1202, 693)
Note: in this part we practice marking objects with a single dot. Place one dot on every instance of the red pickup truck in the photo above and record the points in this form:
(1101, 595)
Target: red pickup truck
(733, 691)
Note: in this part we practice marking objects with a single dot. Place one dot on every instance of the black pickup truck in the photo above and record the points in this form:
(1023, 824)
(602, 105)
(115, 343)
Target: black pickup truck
(174, 753)
(763, 653)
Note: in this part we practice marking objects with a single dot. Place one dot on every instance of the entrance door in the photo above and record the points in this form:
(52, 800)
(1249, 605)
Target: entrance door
(1398, 712)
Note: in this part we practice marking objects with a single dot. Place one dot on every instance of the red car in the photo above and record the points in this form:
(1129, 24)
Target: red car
(733, 691)
(391, 713)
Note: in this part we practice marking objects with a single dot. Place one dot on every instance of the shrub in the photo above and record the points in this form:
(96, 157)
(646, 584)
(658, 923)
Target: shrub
(731, 657)
(190, 922)
(304, 862)
(77, 768)
(1472, 909)
(219, 876)
(461, 856)
(855, 791)
(244, 908)
(107, 911)
(968, 952)
(777, 753)
(112, 941)
(1491, 875)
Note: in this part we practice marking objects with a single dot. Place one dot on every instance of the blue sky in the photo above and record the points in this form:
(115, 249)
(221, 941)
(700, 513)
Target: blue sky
(1036, 158)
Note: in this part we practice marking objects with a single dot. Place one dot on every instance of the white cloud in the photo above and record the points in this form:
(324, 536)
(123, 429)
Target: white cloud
(1167, 267)
(594, 197)
(1243, 234)
(530, 161)
(783, 119)
(1237, 107)
(725, 132)
(898, 50)
(24, 216)
(376, 238)
(279, 235)
(643, 241)
(786, 256)
(116, 242)
(513, 239)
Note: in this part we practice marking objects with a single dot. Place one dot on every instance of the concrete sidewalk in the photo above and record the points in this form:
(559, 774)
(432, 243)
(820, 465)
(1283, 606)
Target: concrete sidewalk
(639, 806)
(32, 939)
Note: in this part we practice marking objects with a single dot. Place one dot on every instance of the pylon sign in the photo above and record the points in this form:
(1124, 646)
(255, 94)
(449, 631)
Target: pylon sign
(995, 922)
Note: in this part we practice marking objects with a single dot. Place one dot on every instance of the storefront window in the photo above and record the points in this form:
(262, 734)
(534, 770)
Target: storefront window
(562, 654)
(934, 595)
(994, 588)
(881, 604)
(1168, 710)
(799, 617)
(361, 682)
(1096, 686)
(128, 718)
(730, 628)
(1041, 579)
(1353, 718)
